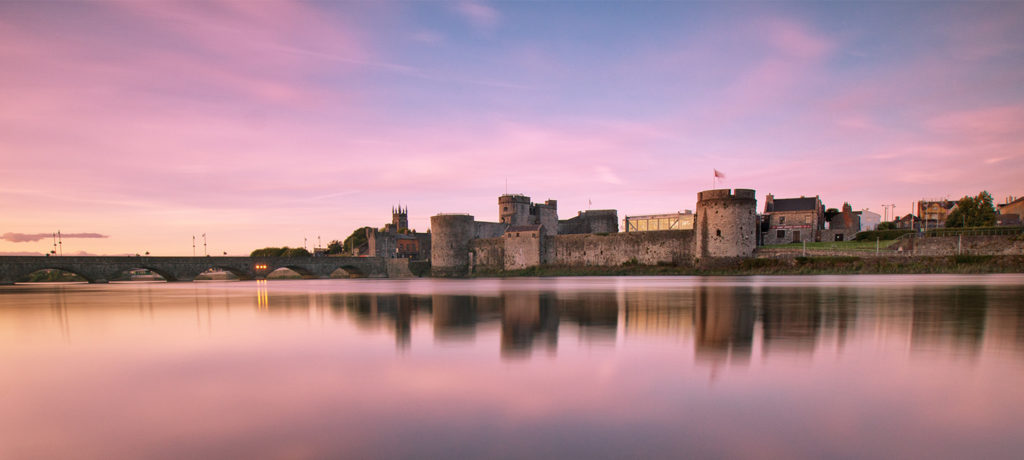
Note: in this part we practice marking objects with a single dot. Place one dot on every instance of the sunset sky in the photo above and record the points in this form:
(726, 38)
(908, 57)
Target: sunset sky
(138, 124)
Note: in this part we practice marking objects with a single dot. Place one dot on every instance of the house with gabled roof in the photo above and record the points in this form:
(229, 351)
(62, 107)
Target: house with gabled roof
(793, 220)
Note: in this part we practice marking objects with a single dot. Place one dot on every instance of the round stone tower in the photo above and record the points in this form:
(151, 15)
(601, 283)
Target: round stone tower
(449, 246)
(726, 224)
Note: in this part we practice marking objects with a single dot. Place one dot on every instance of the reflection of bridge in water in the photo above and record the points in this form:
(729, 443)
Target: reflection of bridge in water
(101, 269)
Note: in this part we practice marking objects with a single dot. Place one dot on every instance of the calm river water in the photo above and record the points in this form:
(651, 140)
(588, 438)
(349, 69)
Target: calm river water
(753, 367)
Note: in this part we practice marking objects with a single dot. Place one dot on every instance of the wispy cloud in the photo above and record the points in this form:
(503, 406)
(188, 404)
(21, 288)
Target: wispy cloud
(29, 237)
(478, 14)
(606, 175)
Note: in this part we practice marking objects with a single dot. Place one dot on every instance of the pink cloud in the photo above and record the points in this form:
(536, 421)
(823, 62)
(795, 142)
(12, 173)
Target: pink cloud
(795, 39)
(479, 15)
(980, 124)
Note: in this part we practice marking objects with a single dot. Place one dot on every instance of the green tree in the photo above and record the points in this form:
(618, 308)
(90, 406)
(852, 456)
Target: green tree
(280, 252)
(335, 247)
(886, 226)
(830, 213)
(268, 252)
(976, 211)
(356, 239)
(295, 252)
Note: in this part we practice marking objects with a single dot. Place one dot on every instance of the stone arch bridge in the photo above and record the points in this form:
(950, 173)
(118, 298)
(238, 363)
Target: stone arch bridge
(100, 269)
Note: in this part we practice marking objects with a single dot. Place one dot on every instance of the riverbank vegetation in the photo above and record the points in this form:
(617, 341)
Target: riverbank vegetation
(814, 265)
(855, 245)
(281, 252)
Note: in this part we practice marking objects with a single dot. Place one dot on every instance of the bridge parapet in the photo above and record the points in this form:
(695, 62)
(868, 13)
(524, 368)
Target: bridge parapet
(100, 269)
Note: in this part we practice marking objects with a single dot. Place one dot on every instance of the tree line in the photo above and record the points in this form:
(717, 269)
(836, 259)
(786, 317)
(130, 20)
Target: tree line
(353, 242)
(970, 211)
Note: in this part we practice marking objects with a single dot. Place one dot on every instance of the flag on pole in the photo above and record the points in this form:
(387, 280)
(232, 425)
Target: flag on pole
(719, 174)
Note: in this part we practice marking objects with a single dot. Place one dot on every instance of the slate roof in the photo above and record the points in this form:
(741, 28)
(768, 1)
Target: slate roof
(795, 204)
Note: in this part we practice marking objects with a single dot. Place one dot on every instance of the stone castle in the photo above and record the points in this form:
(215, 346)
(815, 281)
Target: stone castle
(530, 234)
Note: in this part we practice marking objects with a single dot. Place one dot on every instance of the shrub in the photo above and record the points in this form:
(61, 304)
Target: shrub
(970, 259)
(748, 264)
(872, 235)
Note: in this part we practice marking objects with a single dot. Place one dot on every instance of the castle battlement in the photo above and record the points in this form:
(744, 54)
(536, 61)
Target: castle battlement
(726, 194)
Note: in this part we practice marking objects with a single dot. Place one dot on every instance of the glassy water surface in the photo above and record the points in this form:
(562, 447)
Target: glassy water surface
(755, 367)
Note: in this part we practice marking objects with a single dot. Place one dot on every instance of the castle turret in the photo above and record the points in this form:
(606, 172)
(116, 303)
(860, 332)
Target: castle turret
(726, 224)
(514, 209)
(449, 250)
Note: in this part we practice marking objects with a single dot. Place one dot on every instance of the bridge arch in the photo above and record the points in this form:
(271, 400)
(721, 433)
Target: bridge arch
(347, 271)
(118, 272)
(25, 275)
(304, 272)
(240, 273)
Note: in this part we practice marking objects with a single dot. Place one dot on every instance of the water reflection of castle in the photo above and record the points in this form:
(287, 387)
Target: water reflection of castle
(725, 323)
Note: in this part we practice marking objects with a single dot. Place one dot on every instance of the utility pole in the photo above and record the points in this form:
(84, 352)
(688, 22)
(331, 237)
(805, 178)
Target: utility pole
(54, 252)
(193, 245)
(204, 245)
(60, 243)
(960, 241)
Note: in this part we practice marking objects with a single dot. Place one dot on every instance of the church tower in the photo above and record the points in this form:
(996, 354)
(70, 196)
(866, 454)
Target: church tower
(400, 218)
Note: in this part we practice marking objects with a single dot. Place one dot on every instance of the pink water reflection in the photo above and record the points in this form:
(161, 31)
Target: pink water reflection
(669, 367)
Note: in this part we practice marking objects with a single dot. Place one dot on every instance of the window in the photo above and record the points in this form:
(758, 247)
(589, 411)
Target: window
(782, 220)
(780, 234)
(807, 219)
(718, 232)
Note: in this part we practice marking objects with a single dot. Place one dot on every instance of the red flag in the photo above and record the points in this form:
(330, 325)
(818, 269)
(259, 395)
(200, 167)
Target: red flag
(719, 174)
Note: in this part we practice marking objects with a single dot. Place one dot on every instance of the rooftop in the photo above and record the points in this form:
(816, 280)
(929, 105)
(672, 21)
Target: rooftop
(1018, 200)
(794, 204)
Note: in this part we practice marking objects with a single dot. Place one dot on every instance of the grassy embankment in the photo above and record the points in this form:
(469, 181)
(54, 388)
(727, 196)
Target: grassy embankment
(820, 265)
(860, 246)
